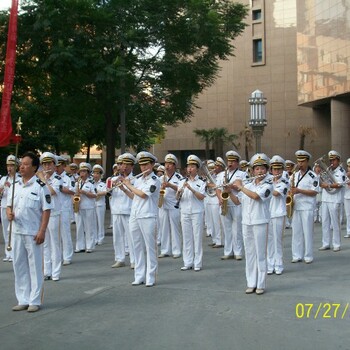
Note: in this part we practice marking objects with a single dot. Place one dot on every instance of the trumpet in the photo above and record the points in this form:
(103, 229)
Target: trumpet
(120, 183)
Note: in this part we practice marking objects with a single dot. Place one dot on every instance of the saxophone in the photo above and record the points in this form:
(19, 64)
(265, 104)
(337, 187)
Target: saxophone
(290, 195)
(224, 196)
(76, 199)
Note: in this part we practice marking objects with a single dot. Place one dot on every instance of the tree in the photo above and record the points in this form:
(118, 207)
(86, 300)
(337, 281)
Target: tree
(217, 138)
(305, 131)
(137, 65)
(206, 137)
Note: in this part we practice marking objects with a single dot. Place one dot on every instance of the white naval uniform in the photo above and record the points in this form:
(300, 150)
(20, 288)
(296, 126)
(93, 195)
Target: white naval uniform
(331, 210)
(85, 218)
(100, 208)
(212, 214)
(4, 220)
(52, 243)
(65, 216)
(120, 205)
(232, 221)
(278, 212)
(192, 223)
(30, 200)
(142, 225)
(169, 219)
(347, 206)
(303, 216)
(255, 219)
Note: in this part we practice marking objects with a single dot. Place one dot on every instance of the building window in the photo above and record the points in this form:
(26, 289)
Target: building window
(256, 15)
(257, 51)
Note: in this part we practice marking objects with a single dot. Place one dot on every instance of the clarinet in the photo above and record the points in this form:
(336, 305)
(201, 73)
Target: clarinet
(177, 205)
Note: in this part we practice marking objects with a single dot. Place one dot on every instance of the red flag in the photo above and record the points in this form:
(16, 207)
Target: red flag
(5, 114)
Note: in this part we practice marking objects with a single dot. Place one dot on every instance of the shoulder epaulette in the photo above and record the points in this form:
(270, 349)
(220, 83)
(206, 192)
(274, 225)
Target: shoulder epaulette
(285, 181)
(41, 183)
(178, 176)
(57, 177)
(201, 178)
(92, 181)
(311, 175)
(154, 177)
(342, 169)
(69, 175)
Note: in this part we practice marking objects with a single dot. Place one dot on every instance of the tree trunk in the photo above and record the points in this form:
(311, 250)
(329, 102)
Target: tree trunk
(111, 131)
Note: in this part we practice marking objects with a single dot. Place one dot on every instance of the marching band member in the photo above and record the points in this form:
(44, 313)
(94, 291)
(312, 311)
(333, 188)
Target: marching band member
(169, 216)
(232, 220)
(5, 184)
(143, 220)
(255, 198)
(278, 214)
(192, 193)
(347, 200)
(115, 169)
(85, 217)
(213, 206)
(30, 215)
(120, 204)
(160, 171)
(65, 196)
(304, 189)
(100, 202)
(210, 164)
(332, 199)
(52, 243)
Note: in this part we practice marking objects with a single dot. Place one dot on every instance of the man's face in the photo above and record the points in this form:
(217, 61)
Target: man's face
(303, 164)
(169, 168)
(83, 174)
(60, 168)
(232, 164)
(96, 175)
(276, 171)
(126, 168)
(147, 167)
(49, 167)
(334, 163)
(11, 169)
(192, 169)
(26, 169)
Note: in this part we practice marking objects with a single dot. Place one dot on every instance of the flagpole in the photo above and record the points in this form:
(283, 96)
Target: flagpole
(17, 140)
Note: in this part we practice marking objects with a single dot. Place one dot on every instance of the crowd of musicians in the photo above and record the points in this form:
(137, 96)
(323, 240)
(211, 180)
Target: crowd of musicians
(162, 213)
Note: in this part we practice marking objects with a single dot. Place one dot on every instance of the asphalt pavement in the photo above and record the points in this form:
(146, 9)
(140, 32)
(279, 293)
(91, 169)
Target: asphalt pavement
(94, 306)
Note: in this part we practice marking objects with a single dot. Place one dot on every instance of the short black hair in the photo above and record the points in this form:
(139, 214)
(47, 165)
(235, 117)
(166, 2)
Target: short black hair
(35, 159)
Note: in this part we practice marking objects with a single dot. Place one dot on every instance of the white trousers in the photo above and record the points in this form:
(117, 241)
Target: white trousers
(331, 221)
(5, 232)
(255, 241)
(100, 216)
(192, 232)
(302, 234)
(121, 234)
(213, 222)
(170, 231)
(27, 266)
(347, 214)
(85, 226)
(275, 244)
(66, 235)
(52, 248)
(143, 234)
(232, 227)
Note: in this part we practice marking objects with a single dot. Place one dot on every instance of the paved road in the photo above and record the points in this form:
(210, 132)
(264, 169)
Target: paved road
(95, 307)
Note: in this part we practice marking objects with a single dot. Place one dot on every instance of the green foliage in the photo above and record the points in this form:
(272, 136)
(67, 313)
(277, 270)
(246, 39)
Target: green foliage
(81, 63)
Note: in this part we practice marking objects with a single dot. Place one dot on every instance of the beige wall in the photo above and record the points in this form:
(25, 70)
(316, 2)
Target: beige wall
(225, 104)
